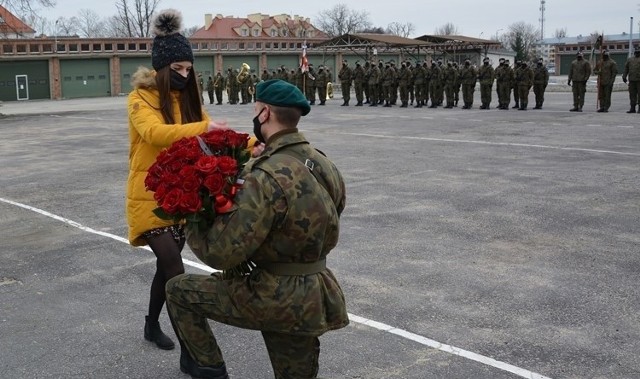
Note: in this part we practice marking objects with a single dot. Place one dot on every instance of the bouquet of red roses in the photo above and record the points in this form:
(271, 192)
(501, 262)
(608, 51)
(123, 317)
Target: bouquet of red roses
(196, 178)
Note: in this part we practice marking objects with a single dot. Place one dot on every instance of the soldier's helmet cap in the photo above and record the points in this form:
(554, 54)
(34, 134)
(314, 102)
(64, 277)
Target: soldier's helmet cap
(357, 63)
(507, 61)
(606, 52)
(486, 59)
(501, 60)
(282, 94)
(540, 59)
(579, 53)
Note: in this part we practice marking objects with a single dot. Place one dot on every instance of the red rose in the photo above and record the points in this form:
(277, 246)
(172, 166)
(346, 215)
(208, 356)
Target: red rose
(188, 171)
(170, 179)
(191, 183)
(236, 140)
(207, 164)
(151, 182)
(228, 165)
(214, 183)
(215, 139)
(160, 193)
(190, 202)
(171, 201)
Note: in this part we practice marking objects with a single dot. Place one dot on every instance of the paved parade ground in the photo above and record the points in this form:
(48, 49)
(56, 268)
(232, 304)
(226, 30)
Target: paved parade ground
(475, 244)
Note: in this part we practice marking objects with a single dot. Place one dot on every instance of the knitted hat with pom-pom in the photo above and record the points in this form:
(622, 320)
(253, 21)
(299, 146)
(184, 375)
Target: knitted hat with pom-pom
(169, 45)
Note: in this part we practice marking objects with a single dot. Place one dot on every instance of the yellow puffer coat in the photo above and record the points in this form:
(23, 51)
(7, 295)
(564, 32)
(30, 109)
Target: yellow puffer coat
(148, 135)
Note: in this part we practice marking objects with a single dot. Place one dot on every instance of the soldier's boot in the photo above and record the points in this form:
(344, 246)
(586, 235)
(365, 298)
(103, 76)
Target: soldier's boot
(189, 366)
(343, 103)
(359, 104)
(386, 104)
(404, 104)
(418, 105)
(313, 102)
(153, 333)
(346, 104)
(322, 102)
(455, 104)
(632, 110)
(373, 104)
(516, 106)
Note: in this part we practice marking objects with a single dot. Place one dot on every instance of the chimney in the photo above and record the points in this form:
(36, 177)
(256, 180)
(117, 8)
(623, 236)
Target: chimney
(207, 21)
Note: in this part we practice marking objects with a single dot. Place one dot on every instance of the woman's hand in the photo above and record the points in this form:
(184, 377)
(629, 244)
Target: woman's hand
(257, 150)
(214, 124)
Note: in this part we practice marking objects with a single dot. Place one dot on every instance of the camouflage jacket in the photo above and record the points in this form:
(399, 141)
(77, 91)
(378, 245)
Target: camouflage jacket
(345, 75)
(486, 74)
(389, 76)
(632, 69)
(358, 75)
(607, 72)
(524, 77)
(540, 75)
(468, 75)
(404, 76)
(322, 79)
(580, 70)
(374, 75)
(419, 74)
(282, 214)
(449, 75)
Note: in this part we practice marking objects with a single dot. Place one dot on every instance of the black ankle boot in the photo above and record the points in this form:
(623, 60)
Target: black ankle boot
(153, 333)
(189, 366)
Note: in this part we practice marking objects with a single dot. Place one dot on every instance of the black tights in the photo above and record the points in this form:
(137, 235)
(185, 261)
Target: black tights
(168, 265)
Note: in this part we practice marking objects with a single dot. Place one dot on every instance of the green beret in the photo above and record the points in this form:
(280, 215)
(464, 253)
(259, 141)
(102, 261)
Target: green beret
(283, 94)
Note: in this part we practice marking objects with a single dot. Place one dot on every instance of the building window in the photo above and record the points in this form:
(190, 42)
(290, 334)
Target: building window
(143, 47)
(194, 46)
(97, 47)
(258, 45)
(256, 32)
(108, 47)
(79, 77)
(67, 79)
(204, 45)
(283, 45)
(267, 45)
(274, 33)
(292, 45)
(102, 77)
(241, 45)
(250, 46)
(84, 47)
(132, 47)
(91, 77)
(214, 46)
(244, 32)
(21, 48)
(120, 46)
(224, 46)
(73, 47)
(7, 49)
(234, 46)
(285, 32)
(34, 48)
(46, 48)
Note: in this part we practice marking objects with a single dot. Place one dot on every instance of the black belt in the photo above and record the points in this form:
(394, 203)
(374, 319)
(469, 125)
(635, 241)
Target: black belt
(292, 269)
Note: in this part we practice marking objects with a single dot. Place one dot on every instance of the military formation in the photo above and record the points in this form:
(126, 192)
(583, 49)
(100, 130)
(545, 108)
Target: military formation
(437, 84)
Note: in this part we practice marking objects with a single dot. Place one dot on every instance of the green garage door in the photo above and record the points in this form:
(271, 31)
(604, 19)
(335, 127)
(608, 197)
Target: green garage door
(32, 83)
(326, 60)
(290, 62)
(85, 78)
(236, 62)
(204, 66)
(128, 66)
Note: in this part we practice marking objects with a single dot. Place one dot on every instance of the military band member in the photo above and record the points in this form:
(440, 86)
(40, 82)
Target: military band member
(218, 86)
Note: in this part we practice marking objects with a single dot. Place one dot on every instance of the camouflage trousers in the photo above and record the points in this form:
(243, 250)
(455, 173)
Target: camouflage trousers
(346, 91)
(485, 94)
(310, 93)
(538, 90)
(523, 95)
(516, 96)
(634, 93)
(448, 90)
(503, 93)
(404, 93)
(358, 88)
(604, 93)
(373, 93)
(192, 299)
(467, 93)
(322, 94)
(579, 89)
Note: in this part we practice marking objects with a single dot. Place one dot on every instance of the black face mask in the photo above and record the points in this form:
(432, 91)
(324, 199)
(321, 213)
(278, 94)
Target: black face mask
(178, 82)
(579, 58)
(486, 63)
(257, 125)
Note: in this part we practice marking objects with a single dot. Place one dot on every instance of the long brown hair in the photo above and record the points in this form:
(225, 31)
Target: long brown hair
(190, 101)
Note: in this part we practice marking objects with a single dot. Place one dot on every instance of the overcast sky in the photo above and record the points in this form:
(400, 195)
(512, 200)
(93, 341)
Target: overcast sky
(475, 18)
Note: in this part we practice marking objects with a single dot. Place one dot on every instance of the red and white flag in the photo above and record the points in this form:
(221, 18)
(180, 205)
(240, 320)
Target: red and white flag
(304, 63)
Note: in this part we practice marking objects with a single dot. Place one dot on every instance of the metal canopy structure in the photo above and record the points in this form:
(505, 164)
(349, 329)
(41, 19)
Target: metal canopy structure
(455, 42)
(372, 44)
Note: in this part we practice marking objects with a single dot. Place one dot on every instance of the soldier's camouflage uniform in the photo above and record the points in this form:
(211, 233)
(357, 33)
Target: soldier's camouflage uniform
(418, 81)
(358, 81)
(374, 81)
(485, 77)
(346, 76)
(524, 83)
(540, 82)
(403, 81)
(285, 220)
(449, 77)
(631, 74)
(310, 86)
(468, 78)
(435, 84)
(579, 73)
(607, 71)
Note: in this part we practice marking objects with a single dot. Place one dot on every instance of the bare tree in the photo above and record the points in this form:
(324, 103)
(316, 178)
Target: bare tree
(341, 20)
(448, 29)
(521, 38)
(66, 26)
(188, 32)
(24, 8)
(373, 30)
(561, 33)
(115, 28)
(402, 30)
(41, 25)
(135, 16)
(90, 25)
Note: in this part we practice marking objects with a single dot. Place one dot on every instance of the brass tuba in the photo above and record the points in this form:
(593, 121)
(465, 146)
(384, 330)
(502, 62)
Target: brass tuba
(329, 90)
(244, 72)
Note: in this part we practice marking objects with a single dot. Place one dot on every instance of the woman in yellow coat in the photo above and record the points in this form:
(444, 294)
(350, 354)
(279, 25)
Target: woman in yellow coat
(163, 108)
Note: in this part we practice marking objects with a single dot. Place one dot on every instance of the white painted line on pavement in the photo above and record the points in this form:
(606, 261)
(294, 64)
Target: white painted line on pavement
(489, 143)
(357, 319)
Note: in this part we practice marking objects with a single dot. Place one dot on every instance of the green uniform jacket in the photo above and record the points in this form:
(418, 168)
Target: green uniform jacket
(486, 74)
(540, 75)
(632, 69)
(579, 71)
(281, 214)
(607, 71)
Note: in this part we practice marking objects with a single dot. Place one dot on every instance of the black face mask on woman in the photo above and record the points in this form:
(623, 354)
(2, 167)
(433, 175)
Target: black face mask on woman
(178, 82)
(257, 125)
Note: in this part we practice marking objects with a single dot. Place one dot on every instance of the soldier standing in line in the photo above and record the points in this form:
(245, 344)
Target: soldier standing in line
(485, 76)
(514, 83)
(540, 81)
(440, 88)
(501, 76)
(265, 75)
(631, 75)
(358, 82)
(410, 85)
(426, 86)
(524, 85)
(456, 86)
(374, 81)
(468, 78)
(394, 84)
(310, 85)
(578, 75)
(218, 87)
(435, 84)
(365, 83)
(418, 82)
(606, 72)
(346, 76)
(321, 84)
(403, 80)
(228, 85)
(245, 83)
(284, 75)
(289, 295)
(449, 80)
(210, 89)
(201, 87)
(381, 95)
(388, 77)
